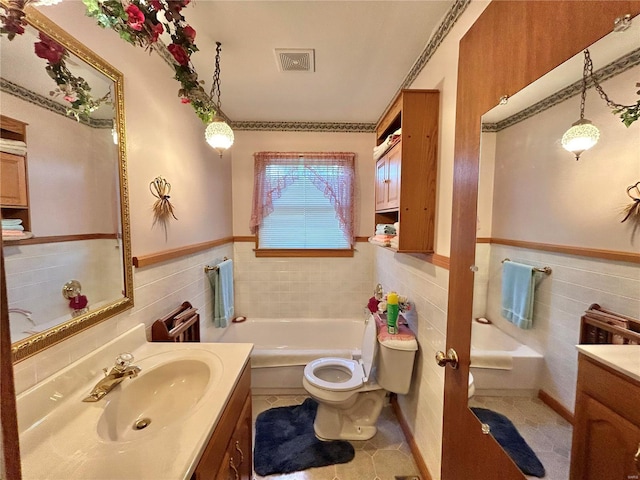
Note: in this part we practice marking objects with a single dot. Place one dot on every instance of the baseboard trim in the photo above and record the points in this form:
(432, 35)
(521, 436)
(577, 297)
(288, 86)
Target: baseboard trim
(408, 434)
(556, 406)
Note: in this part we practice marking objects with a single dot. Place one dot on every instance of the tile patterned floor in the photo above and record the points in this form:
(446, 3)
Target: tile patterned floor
(548, 434)
(383, 457)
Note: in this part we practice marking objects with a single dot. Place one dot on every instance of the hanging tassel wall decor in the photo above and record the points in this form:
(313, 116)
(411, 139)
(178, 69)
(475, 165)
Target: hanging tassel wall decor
(632, 211)
(162, 208)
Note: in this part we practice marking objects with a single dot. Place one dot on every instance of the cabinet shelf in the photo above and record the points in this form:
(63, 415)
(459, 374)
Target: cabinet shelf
(14, 180)
(406, 174)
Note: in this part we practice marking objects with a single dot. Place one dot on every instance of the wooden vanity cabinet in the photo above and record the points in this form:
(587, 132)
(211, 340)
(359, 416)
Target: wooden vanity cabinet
(407, 174)
(229, 455)
(14, 183)
(606, 431)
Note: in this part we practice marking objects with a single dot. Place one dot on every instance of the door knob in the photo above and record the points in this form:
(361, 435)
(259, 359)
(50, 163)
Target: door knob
(451, 357)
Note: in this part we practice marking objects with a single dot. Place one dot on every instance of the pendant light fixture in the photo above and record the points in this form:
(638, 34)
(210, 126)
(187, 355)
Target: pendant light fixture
(218, 133)
(583, 134)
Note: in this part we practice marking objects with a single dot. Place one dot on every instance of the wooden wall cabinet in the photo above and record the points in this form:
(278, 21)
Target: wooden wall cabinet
(407, 174)
(606, 432)
(14, 180)
(229, 455)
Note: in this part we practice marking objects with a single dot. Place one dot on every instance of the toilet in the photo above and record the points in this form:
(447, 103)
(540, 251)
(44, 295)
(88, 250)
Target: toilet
(350, 393)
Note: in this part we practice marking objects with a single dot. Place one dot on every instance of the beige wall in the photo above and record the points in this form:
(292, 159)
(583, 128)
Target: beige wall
(164, 138)
(247, 143)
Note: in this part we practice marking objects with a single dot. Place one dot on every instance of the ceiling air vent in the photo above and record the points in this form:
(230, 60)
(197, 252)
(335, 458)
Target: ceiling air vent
(295, 59)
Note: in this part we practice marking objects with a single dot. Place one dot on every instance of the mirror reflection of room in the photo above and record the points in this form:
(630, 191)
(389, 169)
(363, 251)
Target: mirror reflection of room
(551, 242)
(66, 227)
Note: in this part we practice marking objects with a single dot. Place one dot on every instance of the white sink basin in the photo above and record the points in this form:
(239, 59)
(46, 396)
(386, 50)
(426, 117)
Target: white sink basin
(154, 399)
(177, 399)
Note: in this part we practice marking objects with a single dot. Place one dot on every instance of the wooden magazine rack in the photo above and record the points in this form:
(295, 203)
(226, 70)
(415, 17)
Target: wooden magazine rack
(600, 326)
(181, 325)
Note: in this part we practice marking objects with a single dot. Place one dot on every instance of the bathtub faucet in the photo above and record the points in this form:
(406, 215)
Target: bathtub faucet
(24, 312)
(121, 370)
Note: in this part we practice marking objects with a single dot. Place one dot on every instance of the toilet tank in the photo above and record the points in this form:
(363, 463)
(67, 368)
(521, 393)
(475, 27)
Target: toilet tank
(395, 362)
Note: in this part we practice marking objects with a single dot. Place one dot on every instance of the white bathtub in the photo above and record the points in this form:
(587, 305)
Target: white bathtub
(282, 347)
(501, 365)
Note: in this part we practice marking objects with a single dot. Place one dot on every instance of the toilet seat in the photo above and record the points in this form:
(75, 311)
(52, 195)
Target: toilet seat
(359, 370)
(353, 367)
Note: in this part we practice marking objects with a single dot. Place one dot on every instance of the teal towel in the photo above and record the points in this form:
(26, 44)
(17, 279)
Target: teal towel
(221, 281)
(518, 285)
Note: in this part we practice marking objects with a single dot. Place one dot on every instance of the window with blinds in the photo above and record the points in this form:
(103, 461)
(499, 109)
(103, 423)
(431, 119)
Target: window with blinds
(302, 218)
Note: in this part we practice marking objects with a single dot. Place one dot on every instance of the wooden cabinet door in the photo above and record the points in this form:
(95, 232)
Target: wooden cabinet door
(393, 176)
(13, 180)
(381, 184)
(237, 462)
(605, 444)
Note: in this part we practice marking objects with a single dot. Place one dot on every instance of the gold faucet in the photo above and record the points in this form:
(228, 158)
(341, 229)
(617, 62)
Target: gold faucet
(121, 370)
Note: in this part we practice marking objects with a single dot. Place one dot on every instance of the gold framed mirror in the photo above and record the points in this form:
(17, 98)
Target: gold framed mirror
(85, 232)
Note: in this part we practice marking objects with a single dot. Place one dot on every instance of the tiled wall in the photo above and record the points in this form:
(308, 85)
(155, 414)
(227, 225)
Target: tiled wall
(426, 286)
(37, 273)
(276, 287)
(158, 289)
(560, 299)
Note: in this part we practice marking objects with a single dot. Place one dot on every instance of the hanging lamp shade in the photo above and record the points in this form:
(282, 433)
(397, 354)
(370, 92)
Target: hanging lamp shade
(219, 134)
(581, 136)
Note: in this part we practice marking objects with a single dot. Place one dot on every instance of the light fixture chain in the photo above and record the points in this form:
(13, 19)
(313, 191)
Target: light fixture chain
(215, 87)
(588, 70)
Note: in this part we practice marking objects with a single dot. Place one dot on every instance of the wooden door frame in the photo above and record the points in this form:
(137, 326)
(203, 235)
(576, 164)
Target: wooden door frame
(8, 415)
(511, 44)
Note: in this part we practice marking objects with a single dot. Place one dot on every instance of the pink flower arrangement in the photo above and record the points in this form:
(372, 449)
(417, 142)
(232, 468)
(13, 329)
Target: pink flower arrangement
(179, 54)
(136, 17)
(49, 49)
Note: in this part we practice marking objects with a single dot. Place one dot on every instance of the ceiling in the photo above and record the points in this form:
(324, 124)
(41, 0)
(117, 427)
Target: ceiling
(363, 52)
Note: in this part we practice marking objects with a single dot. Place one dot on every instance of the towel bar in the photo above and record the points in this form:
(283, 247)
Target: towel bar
(209, 268)
(545, 270)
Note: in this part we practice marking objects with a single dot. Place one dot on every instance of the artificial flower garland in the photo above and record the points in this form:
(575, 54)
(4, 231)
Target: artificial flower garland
(141, 23)
(75, 90)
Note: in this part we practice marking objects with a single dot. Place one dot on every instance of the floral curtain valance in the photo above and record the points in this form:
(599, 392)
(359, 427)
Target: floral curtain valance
(333, 173)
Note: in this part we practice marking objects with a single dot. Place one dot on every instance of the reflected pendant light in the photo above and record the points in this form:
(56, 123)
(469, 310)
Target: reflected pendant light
(218, 133)
(583, 134)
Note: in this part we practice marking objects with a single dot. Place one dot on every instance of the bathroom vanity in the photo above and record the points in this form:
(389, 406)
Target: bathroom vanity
(186, 415)
(228, 453)
(606, 432)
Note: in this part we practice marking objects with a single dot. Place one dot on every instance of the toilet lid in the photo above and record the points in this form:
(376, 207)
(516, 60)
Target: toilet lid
(369, 345)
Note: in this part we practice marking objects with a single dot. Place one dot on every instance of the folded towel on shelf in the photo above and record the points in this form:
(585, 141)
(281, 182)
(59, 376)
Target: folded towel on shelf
(385, 229)
(11, 221)
(14, 228)
(383, 240)
(12, 235)
(386, 144)
(397, 227)
(395, 242)
(15, 147)
(518, 285)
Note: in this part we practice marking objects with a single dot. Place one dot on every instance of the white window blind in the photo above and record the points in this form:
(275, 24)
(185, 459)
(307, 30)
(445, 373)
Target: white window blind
(302, 218)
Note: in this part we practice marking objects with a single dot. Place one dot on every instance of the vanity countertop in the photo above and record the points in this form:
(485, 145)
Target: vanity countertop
(63, 437)
(622, 358)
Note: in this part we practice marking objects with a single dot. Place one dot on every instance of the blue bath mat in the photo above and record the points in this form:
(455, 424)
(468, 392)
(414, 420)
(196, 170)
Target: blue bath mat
(285, 441)
(510, 439)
